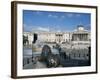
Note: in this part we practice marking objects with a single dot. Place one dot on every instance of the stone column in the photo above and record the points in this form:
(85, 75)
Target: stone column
(79, 37)
(82, 37)
(85, 37)
(75, 37)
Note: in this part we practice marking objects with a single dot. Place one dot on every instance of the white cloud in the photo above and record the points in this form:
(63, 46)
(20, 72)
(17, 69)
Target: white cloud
(62, 16)
(49, 15)
(27, 28)
(38, 12)
(78, 15)
(70, 15)
(58, 30)
(52, 16)
(43, 29)
(55, 16)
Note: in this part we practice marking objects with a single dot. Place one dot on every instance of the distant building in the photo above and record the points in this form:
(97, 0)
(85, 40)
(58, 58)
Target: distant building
(29, 35)
(79, 36)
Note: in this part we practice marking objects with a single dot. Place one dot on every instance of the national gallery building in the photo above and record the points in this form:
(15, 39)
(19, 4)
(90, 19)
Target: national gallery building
(78, 36)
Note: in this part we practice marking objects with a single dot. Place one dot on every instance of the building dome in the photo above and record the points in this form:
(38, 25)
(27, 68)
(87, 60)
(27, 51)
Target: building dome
(80, 28)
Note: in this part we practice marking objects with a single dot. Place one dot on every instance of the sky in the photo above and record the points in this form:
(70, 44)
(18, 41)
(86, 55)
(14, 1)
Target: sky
(54, 21)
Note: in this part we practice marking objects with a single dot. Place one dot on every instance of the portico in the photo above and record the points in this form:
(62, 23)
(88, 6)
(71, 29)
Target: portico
(80, 36)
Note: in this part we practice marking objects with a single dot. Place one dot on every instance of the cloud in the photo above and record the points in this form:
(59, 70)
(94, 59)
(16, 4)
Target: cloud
(27, 28)
(43, 29)
(63, 17)
(58, 31)
(36, 28)
(39, 12)
(69, 15)
(49, 15)
(55, 16)
(52, 16)
(78, 15)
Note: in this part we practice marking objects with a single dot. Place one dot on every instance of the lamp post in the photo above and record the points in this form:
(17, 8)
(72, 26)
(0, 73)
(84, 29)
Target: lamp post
(33, 42)
(32, 51)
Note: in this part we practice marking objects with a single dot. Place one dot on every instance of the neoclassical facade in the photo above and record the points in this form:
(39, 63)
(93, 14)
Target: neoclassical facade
(78, 36)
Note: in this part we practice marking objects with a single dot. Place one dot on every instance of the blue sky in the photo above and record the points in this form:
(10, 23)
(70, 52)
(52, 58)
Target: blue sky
(54, 21)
